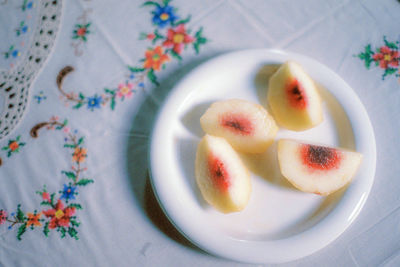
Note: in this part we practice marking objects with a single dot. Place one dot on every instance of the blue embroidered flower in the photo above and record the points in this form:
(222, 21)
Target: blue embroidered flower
(164, 15)
(15, 53)
(40, 97)
(94, 102)
(68, 192)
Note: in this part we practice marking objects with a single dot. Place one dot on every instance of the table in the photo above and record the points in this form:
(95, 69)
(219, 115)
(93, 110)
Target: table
(86, 79)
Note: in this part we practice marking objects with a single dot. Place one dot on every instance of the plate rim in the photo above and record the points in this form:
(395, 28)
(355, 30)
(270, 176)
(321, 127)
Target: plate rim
(367, 136)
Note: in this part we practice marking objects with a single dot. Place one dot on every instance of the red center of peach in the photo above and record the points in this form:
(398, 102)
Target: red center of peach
(219, 174)
(320, 158)
(237, 123)
(296, 95)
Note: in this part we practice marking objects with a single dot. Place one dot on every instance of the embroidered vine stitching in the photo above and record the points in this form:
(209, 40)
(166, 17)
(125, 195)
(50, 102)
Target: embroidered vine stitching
(58, 210)
(387, 57)
(169, 38)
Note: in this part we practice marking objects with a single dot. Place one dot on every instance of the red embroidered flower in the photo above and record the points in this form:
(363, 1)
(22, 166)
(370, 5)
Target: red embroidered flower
(81, 31)
(13, 146)
(387, 57)
(79, 154)
(150, 36)
(3, 216)
(33, 219)
(155, 58)
(177, 38)
(60, 216)
(46, 196)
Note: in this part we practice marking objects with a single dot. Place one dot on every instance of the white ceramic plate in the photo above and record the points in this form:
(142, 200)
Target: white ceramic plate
(280, 223)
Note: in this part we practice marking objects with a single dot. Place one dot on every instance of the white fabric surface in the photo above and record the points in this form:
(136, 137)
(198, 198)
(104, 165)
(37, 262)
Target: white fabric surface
(121, 222)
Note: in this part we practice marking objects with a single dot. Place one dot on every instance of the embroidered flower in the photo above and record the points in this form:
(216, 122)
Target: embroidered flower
(33, 219)
(155, 58)
(94, 102)
(387, 57)
(177, 38)
(125, 90)
(40, 97)
(13, 146)
(68, 192)
(3, 216)
(163, 15)
(59, 215)
(46, 196)
(81, 31)
(79, 154)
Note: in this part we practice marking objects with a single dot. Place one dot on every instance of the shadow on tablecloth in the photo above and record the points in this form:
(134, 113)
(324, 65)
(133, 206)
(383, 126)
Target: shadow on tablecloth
(138, 165)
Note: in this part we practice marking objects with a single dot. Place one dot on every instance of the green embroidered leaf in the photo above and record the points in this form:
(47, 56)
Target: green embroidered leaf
(112, 103)
(46, 229)
(84, 38)
(200, 40)
(75, 37)
(79, 105)
(83, 182)
(151, 3)
(52, 198)
(88, 25)
(65, 122)
(5, 148)
(81, 96)
(20, 215)
(388, 71)
(22, 144)
(74, 223)
(142, 36)
(166, 2)
(108, 91)
(176, 55)
(152, 77)
(9, 154)
(70, 175)
(134, 69)
(18, 137)
(45, 203)
(73, 233)
(366, 56)
(80, 141)
(70, 145)
(182, 21)
(62, 231)
(75, 205)
(21, 231)
(390, 44)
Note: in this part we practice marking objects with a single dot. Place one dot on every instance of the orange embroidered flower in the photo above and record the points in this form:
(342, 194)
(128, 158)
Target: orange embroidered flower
(33, 219)
(177, 38)
(155, 58)
(13, 146)
(79, 154)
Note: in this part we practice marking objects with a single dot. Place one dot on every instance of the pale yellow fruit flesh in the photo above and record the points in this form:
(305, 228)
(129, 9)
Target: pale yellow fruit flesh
(292, 118)
(236, 197)
(306, 179)
(256, 140)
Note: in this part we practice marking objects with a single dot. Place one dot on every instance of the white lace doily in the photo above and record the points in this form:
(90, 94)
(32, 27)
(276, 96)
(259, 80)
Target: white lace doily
(16, 82)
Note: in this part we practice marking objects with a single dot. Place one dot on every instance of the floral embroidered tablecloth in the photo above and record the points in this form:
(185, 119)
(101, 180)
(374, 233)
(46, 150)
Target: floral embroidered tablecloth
(74, 183)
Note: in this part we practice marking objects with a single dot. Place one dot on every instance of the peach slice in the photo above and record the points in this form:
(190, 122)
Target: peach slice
(248, 127)
(317, 169)
(221, 176)
(293, 98)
